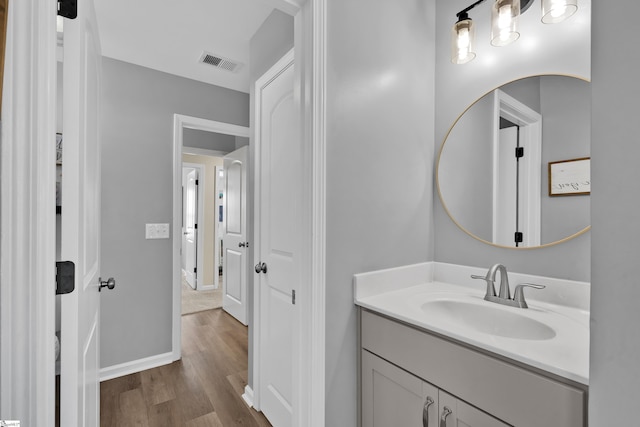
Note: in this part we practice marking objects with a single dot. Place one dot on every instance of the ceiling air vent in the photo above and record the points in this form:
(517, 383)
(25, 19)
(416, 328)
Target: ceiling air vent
(220, 62)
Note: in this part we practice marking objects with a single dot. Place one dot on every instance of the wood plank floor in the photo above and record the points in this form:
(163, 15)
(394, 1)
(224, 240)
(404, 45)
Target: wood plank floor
(203, 389)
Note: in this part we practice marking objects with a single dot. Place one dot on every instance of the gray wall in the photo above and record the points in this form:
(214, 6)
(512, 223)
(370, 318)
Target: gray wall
(526, 91)
(241, 141)
(460, 85)
(137, 148)
(465, 169)
(566, 134)
(271, 42)
(208, 140)
(615, 290)
(380, 159)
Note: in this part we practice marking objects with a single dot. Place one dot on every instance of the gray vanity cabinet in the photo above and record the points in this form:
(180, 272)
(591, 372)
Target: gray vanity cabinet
(394, 397)
(403, 365)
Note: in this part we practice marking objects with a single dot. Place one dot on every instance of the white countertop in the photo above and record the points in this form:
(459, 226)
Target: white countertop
(401, 294)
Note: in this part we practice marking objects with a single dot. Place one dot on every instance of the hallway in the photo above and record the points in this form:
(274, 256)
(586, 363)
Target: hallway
(202, 389)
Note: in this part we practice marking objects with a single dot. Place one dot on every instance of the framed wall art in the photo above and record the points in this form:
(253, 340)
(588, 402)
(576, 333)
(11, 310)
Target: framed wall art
(570, 177)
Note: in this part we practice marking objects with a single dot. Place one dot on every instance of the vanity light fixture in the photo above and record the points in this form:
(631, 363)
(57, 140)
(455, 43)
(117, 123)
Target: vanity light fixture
(504, 24)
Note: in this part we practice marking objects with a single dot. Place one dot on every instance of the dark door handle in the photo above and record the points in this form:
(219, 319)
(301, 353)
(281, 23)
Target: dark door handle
(261, 267)
(110, 283)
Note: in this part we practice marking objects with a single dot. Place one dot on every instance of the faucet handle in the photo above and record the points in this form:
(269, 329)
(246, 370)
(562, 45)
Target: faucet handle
(491, 290)
(518, 295)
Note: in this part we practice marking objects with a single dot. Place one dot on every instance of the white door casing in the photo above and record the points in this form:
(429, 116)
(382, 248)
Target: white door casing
(28, 223)
(278, 240)
(190, 225)
(80, 329)
(234, 271)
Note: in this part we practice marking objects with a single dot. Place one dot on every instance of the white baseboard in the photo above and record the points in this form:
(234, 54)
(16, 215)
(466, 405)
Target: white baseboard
(206, 288)
(134, 366)
(248, 396)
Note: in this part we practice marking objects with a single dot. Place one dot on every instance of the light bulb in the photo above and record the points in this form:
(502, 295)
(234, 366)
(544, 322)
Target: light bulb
(504, 22)
(555, 11)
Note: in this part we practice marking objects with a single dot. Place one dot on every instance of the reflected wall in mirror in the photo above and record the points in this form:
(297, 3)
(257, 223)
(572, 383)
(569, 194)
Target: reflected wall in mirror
(492, 169)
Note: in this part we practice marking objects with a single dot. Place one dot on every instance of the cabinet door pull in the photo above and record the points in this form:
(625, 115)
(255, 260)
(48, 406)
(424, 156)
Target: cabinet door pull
(425, 411)
(443, 418)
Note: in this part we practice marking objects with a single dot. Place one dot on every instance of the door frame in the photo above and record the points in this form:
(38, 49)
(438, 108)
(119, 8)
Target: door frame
(310, 68)
(200, 221)
(27, 215)
(180, 123)
(531, 122)
(27, 200)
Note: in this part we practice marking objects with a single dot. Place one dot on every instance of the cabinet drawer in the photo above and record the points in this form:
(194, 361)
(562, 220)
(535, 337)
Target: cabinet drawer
(518, 396)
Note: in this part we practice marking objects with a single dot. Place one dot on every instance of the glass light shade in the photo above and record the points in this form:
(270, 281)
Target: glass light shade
(504, 22)
(463, 41)
(554, 11)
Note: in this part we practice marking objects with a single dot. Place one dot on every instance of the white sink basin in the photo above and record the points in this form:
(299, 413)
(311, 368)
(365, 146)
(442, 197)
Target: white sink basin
(489, 318)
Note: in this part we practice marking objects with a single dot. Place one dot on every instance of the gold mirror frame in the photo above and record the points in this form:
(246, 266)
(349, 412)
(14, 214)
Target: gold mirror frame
(444, 205)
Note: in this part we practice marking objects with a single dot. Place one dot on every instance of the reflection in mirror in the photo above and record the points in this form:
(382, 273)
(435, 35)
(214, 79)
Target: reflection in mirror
(492, 170)
(3, 40)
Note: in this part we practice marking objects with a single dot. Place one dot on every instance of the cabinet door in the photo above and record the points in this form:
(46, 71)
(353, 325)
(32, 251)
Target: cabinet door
(456, 413)
(393, 397)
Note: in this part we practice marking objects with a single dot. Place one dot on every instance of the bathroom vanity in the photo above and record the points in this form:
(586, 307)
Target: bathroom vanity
(434, 353)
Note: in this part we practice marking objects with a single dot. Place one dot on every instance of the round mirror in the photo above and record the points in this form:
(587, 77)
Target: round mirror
(514, 169)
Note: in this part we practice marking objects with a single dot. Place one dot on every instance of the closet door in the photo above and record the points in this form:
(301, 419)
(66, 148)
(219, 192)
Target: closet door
(393, 397)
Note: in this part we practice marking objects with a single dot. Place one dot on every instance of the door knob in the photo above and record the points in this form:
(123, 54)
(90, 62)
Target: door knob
(110, 283)
(261, 267)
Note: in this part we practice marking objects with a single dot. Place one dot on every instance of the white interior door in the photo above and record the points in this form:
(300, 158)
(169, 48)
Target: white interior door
(80, 230)
(279, 210)
(234, 270)
(190, 225)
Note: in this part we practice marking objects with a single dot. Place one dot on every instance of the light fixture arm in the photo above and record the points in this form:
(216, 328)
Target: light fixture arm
(463, 14)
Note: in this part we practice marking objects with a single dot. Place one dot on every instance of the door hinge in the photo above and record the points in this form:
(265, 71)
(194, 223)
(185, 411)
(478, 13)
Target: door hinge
(65, 277)
(518, 237)
(196, 226)
(195, 269)
(519, 152)
(68, 8)
(196, 182)
(293, 297)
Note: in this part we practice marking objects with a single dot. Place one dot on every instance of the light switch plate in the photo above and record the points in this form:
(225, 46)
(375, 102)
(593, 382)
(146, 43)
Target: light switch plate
(156, 231)
(162, 231)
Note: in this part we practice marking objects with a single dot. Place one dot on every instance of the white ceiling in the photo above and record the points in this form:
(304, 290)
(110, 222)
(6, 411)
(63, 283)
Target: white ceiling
(170, 35)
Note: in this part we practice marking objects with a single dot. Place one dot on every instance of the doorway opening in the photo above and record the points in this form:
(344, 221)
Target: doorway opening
(201, 284)
(199, 143)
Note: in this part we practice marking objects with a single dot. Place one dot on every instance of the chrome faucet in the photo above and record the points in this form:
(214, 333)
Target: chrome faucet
(504, 297)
